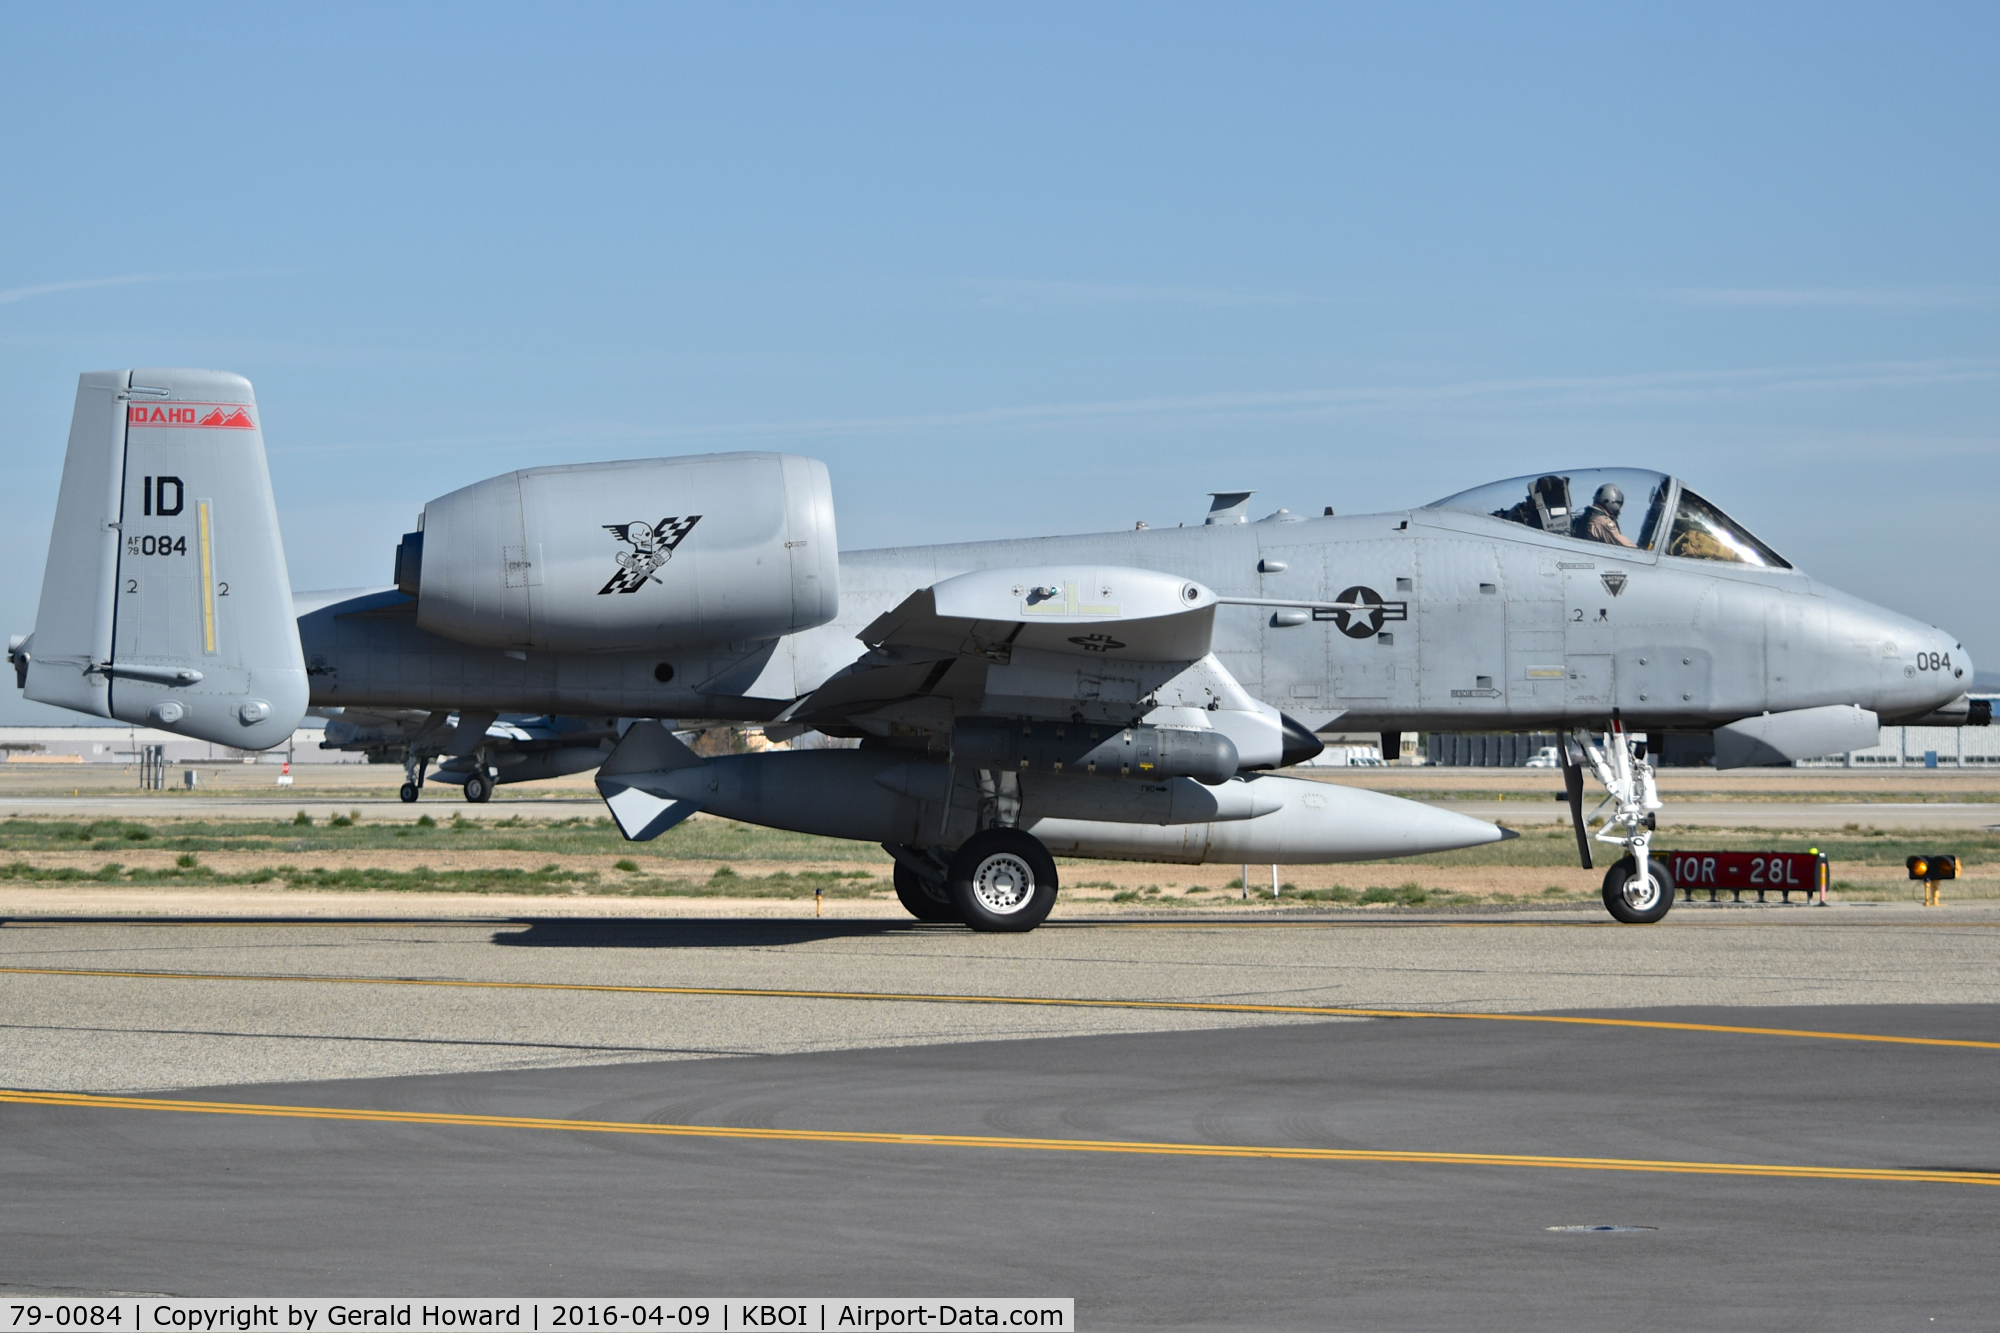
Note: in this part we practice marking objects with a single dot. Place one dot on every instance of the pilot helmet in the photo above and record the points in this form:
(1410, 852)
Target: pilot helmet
(1609, 498)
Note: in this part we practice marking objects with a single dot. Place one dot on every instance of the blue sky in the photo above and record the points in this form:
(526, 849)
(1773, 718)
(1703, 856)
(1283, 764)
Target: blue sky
(1016, 270)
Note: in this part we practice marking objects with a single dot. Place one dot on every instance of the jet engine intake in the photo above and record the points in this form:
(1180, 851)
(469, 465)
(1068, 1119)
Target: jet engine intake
(1094, 750)
(650, 553)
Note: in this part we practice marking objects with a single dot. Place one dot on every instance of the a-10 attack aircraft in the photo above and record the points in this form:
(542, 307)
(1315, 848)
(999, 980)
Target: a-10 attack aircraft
(1117, 695)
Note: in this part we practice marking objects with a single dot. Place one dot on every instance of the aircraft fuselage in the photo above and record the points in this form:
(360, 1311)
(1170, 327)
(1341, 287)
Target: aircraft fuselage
(1484, 625)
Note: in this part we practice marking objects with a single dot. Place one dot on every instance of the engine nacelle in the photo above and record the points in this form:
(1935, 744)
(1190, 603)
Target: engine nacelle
(649, 553)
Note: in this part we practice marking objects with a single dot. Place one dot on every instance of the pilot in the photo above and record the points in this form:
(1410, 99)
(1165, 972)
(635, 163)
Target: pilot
(1599, 523)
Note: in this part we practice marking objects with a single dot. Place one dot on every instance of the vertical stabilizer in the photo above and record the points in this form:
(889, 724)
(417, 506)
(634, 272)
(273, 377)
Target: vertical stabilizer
(166, 601)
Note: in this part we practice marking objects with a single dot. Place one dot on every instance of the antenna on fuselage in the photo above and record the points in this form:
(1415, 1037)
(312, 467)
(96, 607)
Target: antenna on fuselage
(1228, 507)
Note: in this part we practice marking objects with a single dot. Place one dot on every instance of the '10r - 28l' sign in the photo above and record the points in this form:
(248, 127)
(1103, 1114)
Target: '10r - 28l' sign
(1737, 871)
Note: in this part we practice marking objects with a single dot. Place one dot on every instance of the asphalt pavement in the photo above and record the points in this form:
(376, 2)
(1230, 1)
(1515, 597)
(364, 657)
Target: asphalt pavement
(1786, 1115)
(187, 1202)
(1814, 816)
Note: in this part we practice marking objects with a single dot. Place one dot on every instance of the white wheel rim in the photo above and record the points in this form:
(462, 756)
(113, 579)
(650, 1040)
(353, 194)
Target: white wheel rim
(1642, 895)
(1003, 883)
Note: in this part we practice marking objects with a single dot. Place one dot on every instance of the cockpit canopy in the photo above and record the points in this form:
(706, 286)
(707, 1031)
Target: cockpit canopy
(1619, 506)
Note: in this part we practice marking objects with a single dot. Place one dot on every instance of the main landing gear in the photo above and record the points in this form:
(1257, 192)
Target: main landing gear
(919, 880)
(1637, 890)
(1000, 879)
(413, 777)
(479, 787)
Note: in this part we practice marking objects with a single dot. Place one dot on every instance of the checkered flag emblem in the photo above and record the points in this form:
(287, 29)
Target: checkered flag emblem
(652, 545)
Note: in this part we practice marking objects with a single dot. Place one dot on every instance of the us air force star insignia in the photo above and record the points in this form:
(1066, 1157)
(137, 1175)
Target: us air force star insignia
(1356, 623)
(1096, 643)
(652, 546)
(1614, 582)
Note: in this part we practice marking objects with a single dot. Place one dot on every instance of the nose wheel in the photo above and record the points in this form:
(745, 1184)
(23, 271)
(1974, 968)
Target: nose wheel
(1002, 879)
(1634, 899)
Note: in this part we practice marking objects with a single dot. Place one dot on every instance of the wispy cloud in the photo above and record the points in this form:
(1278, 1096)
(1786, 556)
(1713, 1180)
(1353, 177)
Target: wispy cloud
(1027, 293)
(1829, 298)
(1207, 410)
(13, 294)
(1377, 398)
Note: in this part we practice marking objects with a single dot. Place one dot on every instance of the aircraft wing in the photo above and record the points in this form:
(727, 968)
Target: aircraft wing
(1103, 644)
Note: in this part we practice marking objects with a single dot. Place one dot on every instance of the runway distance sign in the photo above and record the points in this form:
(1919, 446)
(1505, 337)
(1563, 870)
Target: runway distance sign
(1736, 871)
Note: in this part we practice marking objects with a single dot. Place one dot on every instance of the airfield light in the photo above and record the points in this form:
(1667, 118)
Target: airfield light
(1933, 870)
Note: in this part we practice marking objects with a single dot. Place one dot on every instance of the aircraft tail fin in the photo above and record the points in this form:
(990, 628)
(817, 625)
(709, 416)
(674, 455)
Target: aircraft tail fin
(165, 601)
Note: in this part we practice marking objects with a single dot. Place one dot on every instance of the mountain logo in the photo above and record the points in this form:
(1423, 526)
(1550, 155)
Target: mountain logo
(236, 420)
(228, 416)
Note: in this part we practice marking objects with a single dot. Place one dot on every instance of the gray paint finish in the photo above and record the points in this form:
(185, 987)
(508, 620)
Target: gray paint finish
(1735, 641)
(166, 601)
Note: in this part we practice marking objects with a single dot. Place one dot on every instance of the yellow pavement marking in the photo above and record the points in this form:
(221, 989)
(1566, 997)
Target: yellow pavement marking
(1125, 1146)
(1049, 1002)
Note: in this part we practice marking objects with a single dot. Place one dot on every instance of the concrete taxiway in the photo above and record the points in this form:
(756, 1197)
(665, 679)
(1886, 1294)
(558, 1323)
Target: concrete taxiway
(1791, 1109)
(1814, 816)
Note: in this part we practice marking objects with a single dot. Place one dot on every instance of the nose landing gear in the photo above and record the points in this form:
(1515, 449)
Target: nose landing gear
(1636, 891)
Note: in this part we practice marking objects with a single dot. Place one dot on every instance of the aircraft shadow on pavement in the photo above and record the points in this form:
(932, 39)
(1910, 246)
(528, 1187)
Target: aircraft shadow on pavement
(681, 933)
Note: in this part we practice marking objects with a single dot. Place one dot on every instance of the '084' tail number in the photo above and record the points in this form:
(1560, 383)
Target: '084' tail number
(156, 546)
(1933, 661)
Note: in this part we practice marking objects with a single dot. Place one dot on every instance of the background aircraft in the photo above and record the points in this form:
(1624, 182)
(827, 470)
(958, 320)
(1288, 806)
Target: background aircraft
(510, 747)
(1111, 695)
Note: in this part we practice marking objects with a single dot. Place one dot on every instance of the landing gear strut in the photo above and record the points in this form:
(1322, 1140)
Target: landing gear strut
(1635, 890)
(413, 778)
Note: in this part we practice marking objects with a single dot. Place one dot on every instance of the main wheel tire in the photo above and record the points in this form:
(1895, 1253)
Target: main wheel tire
(1002, 879)
(408, 792)
(479, 789)
(1633, 902)
(926, 900)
